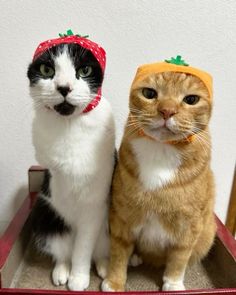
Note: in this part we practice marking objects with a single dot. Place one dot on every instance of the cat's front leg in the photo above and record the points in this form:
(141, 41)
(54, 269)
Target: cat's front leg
(120, 253)
(176, 264)
(89, 225)
(102, 250)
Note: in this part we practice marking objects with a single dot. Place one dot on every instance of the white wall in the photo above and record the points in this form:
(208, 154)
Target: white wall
(132, 32)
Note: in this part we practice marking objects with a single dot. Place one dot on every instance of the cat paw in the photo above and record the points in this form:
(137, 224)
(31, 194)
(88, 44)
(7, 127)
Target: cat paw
(60, 274)
(173, 286)
(135, 260)
(108, 286)
(78, 282)
(102, 267)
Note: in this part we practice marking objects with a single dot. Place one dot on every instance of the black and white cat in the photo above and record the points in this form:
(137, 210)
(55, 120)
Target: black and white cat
(70, 216)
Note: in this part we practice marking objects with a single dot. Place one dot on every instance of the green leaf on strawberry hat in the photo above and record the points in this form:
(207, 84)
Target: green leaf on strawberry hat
(70, 33)
(177, 61)
(85, 36)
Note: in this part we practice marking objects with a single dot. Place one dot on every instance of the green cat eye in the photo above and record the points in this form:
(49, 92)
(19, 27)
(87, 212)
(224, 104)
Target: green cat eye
(46, 71)
(191, 99)
(149, 93)
(84, 72)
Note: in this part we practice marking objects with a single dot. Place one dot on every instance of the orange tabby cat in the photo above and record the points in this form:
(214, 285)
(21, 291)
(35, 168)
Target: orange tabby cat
(163, 189)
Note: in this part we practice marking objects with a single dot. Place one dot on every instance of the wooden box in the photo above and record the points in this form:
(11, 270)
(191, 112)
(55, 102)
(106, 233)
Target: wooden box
(24, 271)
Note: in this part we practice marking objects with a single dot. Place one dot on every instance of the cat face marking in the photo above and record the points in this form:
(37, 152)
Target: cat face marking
(65, 79)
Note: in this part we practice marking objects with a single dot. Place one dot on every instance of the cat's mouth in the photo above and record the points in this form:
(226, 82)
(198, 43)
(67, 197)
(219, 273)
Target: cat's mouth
(163, 129)
(163, 133)
(64, 108)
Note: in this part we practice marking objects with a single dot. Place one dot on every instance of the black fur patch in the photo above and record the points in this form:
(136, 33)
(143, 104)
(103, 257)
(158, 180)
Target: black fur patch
(45, 190)
(44, 219)
(80, 57)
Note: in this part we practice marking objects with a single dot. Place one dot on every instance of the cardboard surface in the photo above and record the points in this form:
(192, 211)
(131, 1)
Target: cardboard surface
(36, 273)
(32, 274)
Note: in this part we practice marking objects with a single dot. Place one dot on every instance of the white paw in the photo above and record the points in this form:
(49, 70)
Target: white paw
(60, 274)
(78, 282)
(173, 286)
(106, 287)
(135, 260)
(102, 267)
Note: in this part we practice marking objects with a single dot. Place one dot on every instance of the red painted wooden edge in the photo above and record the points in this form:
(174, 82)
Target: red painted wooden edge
(60, 292)
(13, 230)
(226, 238)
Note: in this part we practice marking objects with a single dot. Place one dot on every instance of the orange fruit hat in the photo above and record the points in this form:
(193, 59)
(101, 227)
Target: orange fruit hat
(175, 65)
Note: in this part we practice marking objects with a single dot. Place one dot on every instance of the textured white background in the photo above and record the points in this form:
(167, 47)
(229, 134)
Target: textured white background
(133, 33)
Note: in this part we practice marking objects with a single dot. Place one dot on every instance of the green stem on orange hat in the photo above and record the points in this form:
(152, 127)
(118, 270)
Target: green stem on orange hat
(177, 61)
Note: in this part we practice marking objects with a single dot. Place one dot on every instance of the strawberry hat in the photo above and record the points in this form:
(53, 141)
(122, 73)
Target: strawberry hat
(68, 38)
(175, 65)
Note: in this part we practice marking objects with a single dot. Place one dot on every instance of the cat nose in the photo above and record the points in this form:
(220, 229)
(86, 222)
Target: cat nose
(64, 90)
(166, 113)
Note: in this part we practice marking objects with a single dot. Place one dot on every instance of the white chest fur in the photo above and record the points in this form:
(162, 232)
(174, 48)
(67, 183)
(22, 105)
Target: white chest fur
(78, 153)
(80, 146)
(152, 233)
(157, 162)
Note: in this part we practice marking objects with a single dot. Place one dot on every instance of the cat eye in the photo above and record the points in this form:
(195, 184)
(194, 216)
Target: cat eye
(149, 93)
(191, 99)
(84, 72)
(46, 71)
